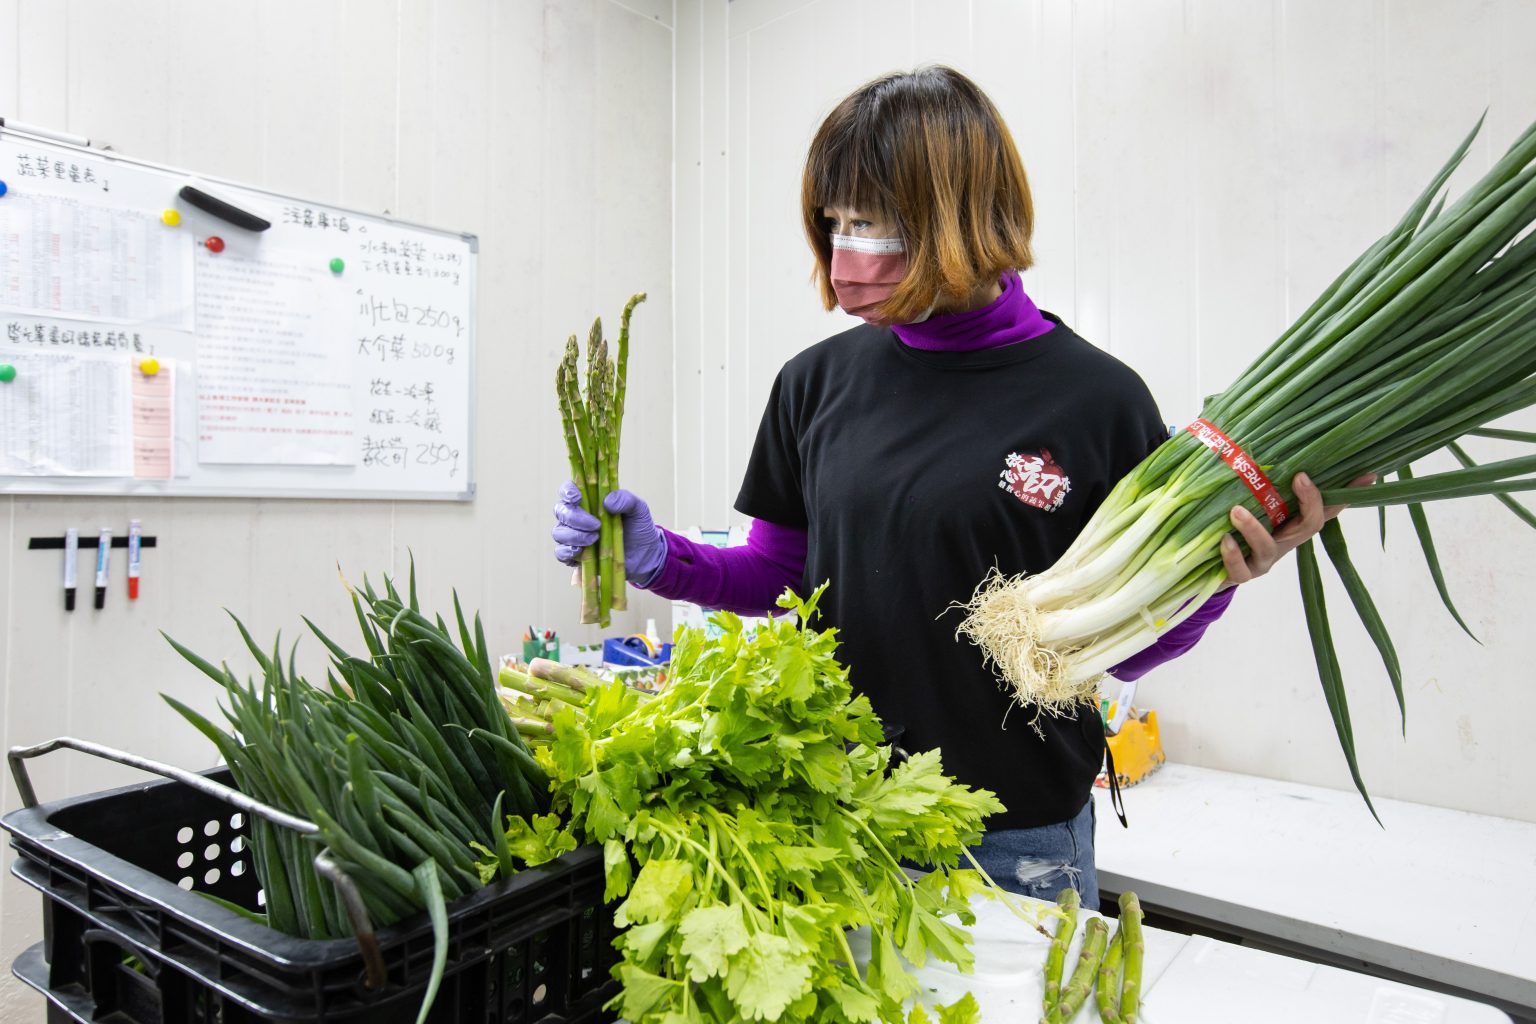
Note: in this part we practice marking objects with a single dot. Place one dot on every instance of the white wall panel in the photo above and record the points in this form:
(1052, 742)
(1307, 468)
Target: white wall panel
(443, 130)
(1201, 170)
(365, 99)
(688, 253)
(941, 31)
(1235, 178)
(751, 15)
(659, 11)
(546, 128)
(725, 173)
(41, 60)
(300, 122)
(130, 53)
(1144, 136)
(14, 915)
(632, 128)
(1090, 89)
(1513, 90)
(10, 76)
(515, 361)
(215, 107)
(1030, 79)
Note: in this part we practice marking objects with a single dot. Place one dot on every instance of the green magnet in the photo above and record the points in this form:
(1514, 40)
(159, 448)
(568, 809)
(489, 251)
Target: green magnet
(7, 372)
(338, 265)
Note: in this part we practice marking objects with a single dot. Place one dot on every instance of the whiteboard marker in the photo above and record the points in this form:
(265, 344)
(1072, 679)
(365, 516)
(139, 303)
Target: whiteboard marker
(223, 209)
(71, 556)
(45, 133)
(103, 553)
(134, 531)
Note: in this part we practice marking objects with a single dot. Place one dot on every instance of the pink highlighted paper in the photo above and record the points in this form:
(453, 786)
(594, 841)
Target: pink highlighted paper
(153, 399)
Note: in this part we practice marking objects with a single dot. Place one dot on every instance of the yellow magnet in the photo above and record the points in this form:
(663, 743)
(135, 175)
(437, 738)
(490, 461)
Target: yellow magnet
(149, 367)
(170, 218)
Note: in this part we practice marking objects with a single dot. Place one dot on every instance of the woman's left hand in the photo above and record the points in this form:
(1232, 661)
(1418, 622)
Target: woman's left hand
(1265, 548)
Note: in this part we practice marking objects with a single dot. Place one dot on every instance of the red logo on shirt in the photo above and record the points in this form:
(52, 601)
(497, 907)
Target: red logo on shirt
(1035, 479)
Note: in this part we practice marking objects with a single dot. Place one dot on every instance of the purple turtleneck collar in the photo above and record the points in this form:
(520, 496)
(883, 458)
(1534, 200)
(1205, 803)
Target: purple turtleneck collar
(1006, 320)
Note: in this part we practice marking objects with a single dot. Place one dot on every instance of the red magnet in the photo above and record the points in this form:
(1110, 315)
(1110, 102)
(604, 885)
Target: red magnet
(215, 243)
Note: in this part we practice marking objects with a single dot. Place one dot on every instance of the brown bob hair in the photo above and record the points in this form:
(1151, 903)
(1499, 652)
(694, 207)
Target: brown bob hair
(928, 150)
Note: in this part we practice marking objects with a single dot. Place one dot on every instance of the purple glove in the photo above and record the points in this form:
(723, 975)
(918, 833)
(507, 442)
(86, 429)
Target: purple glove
(645, 547)
(575, 528)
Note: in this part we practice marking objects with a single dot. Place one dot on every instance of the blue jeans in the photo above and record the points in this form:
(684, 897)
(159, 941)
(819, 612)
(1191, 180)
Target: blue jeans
(1040, 862)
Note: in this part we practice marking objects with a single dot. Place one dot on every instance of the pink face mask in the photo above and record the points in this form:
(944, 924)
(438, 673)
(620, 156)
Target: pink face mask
(865, 272)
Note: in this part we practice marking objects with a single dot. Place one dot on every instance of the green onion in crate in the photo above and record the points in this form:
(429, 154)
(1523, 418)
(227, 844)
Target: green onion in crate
(403, 761)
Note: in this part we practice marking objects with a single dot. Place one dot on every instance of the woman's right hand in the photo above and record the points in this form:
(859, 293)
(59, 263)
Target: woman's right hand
(645, 546)
(575, 528)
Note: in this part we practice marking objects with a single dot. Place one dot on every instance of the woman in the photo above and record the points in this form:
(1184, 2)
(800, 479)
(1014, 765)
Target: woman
(958, 429)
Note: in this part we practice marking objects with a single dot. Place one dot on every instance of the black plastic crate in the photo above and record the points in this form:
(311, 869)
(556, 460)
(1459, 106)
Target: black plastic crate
(125, 941)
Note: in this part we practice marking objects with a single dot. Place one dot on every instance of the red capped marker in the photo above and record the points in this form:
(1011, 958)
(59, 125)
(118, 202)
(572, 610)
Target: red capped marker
(135, 539)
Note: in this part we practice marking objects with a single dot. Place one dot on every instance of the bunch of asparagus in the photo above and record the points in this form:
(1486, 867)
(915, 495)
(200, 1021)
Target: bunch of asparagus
(592, 427)
(1111, 963)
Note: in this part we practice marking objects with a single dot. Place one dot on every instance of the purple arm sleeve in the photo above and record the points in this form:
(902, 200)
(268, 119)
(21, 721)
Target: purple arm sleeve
(1176, 641)
(747, 580)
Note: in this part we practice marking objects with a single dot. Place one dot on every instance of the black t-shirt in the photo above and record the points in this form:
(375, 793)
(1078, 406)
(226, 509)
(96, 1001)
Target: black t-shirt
(914, 473)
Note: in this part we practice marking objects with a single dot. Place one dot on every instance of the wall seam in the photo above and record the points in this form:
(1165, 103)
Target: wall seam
(746, 250)
(16, 60)
(1191, 103)
(10, 618)
(648, 16)
(399, 75)
(699, 447)
(777, 17)
(672, 277)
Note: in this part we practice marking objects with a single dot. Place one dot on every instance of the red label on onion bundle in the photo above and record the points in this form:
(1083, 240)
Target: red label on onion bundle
(1247, 470)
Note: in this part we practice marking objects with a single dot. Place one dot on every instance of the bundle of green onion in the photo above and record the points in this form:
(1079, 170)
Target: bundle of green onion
(1427, 338)
(593, 425)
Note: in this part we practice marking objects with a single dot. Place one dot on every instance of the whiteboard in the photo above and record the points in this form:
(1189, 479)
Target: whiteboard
(274, 373)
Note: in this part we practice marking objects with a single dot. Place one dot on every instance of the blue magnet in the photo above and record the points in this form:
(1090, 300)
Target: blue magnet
(3, 188)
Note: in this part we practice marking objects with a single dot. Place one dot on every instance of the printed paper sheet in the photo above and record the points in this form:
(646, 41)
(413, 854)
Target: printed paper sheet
(66, 415)
(275, 380)
(62, 257)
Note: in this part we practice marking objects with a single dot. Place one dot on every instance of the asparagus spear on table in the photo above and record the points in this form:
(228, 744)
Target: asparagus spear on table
(1130, 937)
(1108, 994)
(1056, 959)
(1075, 992)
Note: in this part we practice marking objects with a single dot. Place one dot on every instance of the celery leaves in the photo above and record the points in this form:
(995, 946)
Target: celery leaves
(749, 817)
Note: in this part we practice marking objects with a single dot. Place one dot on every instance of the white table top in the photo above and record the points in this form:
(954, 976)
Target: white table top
(1437, 894)
(1185, 980)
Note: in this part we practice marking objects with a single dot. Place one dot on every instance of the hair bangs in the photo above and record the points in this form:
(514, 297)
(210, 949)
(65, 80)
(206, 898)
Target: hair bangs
(847, 170)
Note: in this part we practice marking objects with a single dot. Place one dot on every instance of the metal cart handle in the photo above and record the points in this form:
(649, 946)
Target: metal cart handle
(233, 797)
(351, 899)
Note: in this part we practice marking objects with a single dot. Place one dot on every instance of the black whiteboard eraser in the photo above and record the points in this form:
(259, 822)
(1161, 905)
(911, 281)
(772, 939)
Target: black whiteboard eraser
(223, 210)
